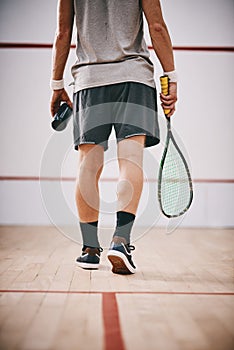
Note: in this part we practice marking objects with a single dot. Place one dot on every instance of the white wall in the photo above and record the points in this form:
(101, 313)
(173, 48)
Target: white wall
(203, 121)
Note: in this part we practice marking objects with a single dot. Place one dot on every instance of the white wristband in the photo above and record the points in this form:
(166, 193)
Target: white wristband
(56, 84)
(173, 78)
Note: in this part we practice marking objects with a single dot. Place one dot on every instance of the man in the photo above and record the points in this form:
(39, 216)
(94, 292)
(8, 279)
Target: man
(113, 87)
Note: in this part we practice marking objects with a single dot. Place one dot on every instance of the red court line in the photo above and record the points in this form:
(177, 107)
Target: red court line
(28, 45)
(36, 178)
(117, 292)
(51, 178)
(14, 45)
(112, 330)
(201, 48)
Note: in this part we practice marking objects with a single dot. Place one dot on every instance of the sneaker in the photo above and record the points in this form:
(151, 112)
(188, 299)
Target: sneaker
(120, 256)
(90, 258)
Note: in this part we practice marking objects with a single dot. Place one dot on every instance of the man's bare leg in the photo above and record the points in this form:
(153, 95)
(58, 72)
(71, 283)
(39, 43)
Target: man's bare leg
(87, 192)
(130, 158)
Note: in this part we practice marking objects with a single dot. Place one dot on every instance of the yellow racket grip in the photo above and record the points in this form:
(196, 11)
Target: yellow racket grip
(164, 80)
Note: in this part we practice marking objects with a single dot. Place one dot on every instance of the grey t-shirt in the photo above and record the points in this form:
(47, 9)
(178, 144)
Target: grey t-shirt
(110, 44)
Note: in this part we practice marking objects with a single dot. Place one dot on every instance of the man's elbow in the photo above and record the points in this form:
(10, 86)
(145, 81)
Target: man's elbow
(158, 31)
(156, 27)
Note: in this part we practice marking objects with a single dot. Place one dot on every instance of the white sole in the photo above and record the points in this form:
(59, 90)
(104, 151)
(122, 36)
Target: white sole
(120, 262)
(87, 266)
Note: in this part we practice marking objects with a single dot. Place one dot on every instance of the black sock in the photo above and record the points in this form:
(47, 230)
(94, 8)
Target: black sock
(124, 225)
(89, 234)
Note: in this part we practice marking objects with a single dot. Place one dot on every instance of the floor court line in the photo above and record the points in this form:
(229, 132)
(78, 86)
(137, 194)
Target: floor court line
(113, 338)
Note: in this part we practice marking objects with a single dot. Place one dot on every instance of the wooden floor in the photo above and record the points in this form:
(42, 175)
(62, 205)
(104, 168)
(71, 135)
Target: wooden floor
(181, 298)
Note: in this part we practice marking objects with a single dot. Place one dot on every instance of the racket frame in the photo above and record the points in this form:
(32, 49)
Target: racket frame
(171, 138)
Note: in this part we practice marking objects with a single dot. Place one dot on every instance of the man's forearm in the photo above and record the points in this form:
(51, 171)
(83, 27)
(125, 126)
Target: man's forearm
(159, 34)
(162, 46)
(61, 50)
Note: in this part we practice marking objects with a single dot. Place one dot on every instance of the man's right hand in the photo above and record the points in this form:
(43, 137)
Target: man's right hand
(57, 97)
(169, 101)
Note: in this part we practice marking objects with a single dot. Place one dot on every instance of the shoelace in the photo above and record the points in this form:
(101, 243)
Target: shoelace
(130, 247)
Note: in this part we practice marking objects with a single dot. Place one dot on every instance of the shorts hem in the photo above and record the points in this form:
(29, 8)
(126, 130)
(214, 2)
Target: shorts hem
(150, 140)
(76, 146)
(136, 134)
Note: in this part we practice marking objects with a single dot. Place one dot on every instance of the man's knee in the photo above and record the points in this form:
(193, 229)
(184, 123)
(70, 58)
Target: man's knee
(132, 145)
(130, 152)
(91, 158)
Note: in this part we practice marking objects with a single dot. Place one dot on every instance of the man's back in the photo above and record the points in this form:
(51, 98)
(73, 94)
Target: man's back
(110, 39)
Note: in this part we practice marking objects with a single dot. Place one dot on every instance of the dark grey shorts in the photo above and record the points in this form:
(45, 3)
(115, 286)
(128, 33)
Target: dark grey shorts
(131, 108)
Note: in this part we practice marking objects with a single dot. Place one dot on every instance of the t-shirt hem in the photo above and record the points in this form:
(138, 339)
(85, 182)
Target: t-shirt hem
(78, 88)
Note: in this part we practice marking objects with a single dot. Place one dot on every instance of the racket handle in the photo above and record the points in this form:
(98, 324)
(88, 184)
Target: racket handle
(164, 80)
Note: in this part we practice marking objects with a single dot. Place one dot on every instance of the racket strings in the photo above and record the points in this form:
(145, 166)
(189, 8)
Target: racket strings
(175, 183)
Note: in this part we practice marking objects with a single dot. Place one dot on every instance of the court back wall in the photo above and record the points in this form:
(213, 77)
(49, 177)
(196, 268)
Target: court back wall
(203, 121)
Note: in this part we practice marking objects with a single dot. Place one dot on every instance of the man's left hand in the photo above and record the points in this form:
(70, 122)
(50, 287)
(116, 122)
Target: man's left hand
(57, 97)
